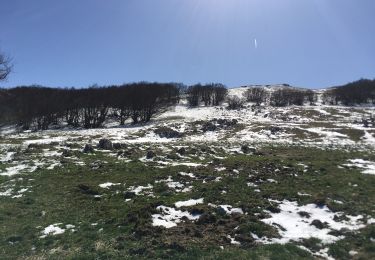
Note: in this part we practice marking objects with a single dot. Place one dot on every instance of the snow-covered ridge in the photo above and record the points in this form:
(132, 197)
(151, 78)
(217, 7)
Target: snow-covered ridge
(238, 91)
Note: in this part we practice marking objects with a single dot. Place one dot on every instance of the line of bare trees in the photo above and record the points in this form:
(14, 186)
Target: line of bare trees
(280, 97)
(40, 108)
(354, 93)
(207, 95)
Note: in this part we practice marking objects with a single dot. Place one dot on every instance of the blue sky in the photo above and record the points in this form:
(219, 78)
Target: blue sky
(310, 43)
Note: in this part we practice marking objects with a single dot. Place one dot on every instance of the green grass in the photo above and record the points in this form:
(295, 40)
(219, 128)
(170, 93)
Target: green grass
(124, 229)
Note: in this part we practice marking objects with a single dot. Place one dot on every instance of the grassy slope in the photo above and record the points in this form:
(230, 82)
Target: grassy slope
(124, 229)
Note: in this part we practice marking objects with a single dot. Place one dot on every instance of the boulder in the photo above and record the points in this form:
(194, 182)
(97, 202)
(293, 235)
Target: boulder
(318, 224)
(181, 151)
(105, 144)
(88, 148)
(275, 129)
(150, 154)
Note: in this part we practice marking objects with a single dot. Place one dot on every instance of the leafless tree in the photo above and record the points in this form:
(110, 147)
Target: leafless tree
(234, 102)
(257, 95)
(5, 67)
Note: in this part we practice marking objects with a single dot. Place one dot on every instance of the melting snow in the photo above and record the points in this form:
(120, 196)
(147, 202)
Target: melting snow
(8, 192)
(228, 209)
(170, 217)
(7, 157)
(295, 227)
(13, 170)
(191, 175)
(138, 190)
(188, 203)
(107, 185)
(54, 229)
(367, 167)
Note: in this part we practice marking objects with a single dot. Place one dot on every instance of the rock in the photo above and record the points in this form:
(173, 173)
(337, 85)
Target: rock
(275, 129)
(304, 214)
(88, 148)
(150, 154)
(221, 211)
(181, 151)
(318, 224)
(105, 144)
(166, 132)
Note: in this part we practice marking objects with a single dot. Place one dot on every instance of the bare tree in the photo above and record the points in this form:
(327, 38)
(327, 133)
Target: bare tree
(234, 102)
(257, 95)
(5, 67)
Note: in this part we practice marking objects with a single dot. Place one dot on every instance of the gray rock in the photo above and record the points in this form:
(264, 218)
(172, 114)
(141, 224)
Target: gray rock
(105, 144)
(318, 224)
(181, 151)
(275, 129)
(88, 148)
(150, 154)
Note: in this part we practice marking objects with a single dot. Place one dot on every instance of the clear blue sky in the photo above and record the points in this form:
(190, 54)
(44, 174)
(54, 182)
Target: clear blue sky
(311, 43)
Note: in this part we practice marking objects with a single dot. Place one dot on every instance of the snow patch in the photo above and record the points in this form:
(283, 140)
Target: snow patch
(54, 229)
(188, 203)
(170, 217)
(367, 167)
(296, 227)
(107, 185)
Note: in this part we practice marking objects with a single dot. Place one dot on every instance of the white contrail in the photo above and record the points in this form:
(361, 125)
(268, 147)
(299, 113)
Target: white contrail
(256, 43)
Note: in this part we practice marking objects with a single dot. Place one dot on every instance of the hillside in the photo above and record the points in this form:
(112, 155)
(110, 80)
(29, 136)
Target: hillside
(257, 181)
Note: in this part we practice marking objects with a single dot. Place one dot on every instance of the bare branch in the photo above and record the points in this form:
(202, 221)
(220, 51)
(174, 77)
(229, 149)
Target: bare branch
(5, 67)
